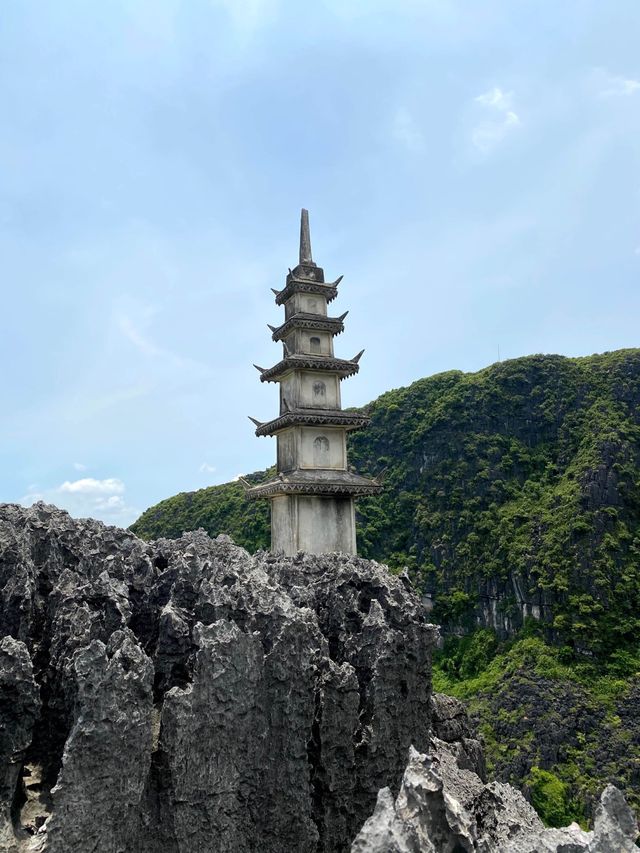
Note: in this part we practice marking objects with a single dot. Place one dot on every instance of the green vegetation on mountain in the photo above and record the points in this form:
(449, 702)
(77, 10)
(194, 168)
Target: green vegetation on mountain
(217, 509)
(559, 727)
(510, 492)
(513, 497)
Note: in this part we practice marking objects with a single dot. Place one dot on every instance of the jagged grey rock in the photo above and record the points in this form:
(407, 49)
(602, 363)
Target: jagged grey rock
(445, 808)
(107, 755)
(185, 697)
(19, 708)
(451, 724)
(615, 825)
(195, 698)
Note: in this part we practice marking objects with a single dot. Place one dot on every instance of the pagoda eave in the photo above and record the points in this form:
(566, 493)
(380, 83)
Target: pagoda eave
(313, 417)
(330, 291)
(315, 482)
(334, 325)
(342, 367)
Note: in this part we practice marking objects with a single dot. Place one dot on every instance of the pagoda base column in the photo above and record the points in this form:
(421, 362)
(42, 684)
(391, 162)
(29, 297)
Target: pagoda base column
(316, 524)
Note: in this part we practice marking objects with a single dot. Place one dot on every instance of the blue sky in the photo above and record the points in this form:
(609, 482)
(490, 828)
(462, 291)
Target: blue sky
(473, 169)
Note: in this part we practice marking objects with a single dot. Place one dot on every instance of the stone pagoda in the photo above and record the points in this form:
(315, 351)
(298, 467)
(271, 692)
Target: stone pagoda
(312, 496)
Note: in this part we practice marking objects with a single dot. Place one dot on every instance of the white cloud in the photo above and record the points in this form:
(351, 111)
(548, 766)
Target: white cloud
(499, 119)
(405, 130)
(113, 503)
(79, 466)
(89, 486)
(205, 468)
(87, 498)
(613, 86)
(496, 98)
(31, 497)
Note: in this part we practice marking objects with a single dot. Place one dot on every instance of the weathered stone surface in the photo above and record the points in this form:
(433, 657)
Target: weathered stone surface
(19, 708)
(195, 698)
(451, 724)
(445, 808)
(98, 795)
(615, 826)
(449, 719)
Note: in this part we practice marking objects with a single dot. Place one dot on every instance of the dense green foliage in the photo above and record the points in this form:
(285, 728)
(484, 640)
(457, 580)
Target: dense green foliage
(512, 492)
(218, 509)
(528, 469)
(549, 797)
(561, 727)
(521, 478)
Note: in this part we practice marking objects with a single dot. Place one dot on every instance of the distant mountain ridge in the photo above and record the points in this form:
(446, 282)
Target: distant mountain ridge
(513, 496)
(510, 493)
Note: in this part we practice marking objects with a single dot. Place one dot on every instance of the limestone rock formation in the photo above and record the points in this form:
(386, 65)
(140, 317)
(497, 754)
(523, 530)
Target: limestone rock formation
(451, 724)
(183, 696)
(444, 807)
(544, 722)
(19, 708)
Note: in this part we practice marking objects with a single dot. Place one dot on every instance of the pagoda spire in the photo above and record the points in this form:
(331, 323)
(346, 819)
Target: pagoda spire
(313, 492)
(305, 239)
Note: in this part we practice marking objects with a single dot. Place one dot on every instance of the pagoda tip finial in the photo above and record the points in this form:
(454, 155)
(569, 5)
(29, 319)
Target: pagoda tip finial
(305, 238)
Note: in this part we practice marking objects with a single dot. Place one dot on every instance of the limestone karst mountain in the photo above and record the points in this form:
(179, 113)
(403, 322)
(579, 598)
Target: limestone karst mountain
(513, 497)
(509, 493)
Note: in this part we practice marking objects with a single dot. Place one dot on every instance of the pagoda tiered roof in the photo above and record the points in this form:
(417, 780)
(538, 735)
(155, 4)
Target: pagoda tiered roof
(316, 459)
(317, 482)
(342, 367)
(307, 285)
(316, 322)
(313, 417)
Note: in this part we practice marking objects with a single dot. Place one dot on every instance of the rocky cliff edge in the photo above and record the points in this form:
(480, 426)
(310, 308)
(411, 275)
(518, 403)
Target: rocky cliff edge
(183, 695)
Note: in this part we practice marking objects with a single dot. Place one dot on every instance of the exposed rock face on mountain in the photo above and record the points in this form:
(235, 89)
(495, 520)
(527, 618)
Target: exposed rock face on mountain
(183, 696)
(443, 807)
(539, 722)
(450, 723)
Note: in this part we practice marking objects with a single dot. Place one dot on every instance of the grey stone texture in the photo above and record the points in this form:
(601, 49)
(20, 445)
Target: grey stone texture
(443, 807)
(451, 724)
(184, 696)
(19, 710)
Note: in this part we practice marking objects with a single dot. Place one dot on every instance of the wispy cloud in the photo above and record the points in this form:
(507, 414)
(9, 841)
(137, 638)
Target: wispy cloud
(31, 496)
(79, 466)
(248, 16)
(614, 86)
(205, 468)
(405, 130)
(135, 336)
(499, 119)
(133, 324)
(496, 98)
